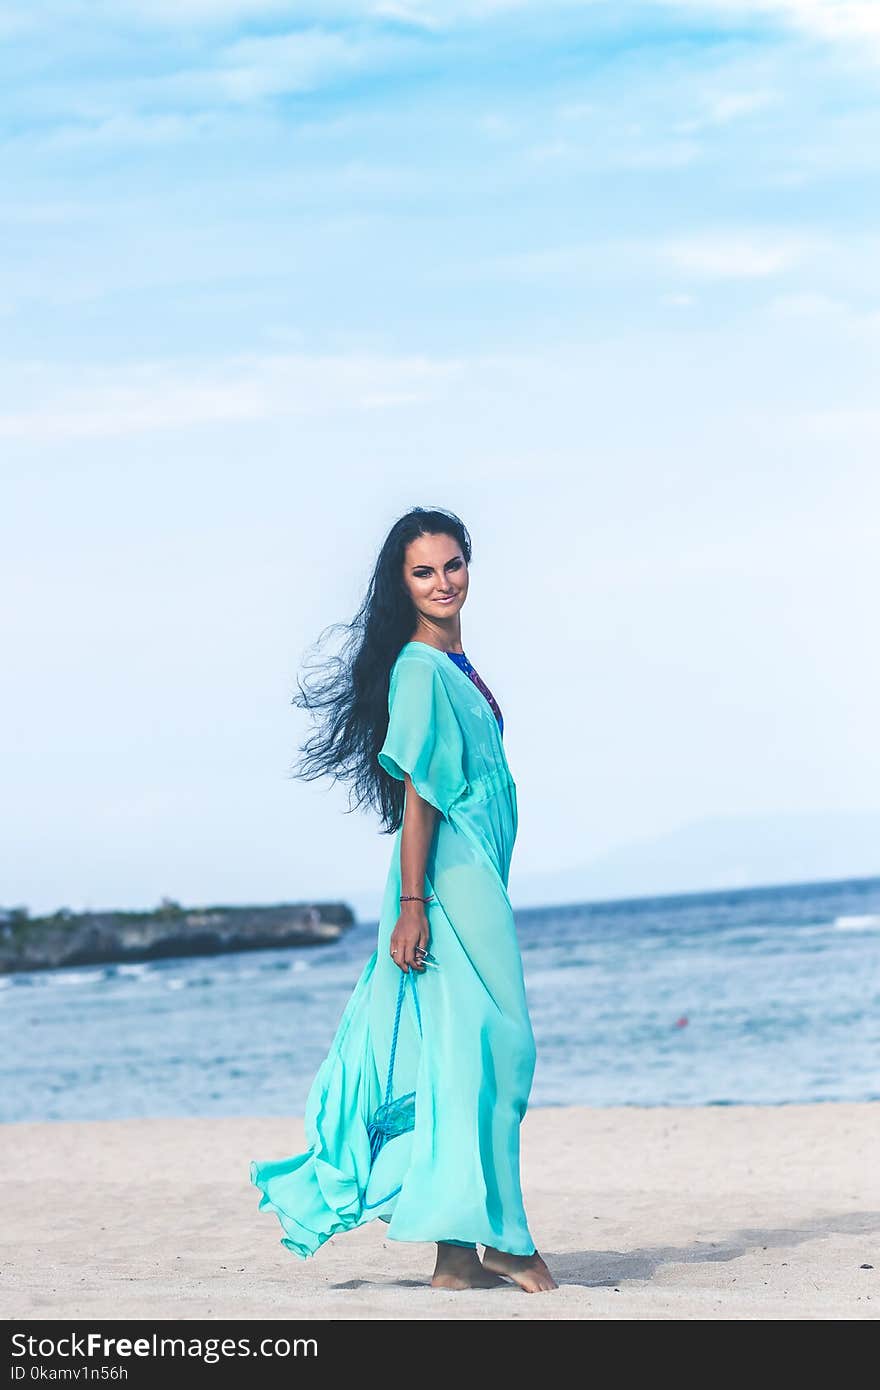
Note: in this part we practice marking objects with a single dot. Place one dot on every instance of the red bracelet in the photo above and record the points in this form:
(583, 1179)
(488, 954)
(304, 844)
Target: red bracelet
(414, 898)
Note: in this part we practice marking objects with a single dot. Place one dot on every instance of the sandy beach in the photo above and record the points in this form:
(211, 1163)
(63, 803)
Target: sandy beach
(716, 1213)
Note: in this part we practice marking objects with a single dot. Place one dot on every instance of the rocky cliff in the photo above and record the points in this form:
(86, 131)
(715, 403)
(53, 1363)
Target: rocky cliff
(89, 938)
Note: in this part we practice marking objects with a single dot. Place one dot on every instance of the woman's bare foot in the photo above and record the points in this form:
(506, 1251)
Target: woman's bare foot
(458, 1267)
(529, 1271)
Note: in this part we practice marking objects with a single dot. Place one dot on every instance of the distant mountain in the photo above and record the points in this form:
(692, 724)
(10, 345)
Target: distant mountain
(718, 852)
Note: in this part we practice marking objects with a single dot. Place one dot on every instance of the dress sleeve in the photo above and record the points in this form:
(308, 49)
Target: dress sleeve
(424, 736)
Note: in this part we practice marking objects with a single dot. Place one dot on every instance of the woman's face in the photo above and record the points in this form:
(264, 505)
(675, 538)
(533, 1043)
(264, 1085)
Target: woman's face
(436, 576)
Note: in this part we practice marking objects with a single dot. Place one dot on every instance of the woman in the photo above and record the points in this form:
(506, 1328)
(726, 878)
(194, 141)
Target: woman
(414, 1115)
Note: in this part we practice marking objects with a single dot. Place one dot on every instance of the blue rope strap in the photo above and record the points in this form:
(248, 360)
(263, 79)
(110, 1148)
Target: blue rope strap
(394, 1117)
(400, 990)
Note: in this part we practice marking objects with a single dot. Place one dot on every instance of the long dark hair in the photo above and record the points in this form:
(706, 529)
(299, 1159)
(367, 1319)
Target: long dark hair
(347, 693)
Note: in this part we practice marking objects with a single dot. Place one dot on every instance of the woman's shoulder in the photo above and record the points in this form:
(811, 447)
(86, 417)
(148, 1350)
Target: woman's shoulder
(417, 669)
(414, 655)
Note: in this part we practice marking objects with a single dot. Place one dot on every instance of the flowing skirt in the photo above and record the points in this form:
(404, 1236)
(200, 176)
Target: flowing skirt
(464, 1047)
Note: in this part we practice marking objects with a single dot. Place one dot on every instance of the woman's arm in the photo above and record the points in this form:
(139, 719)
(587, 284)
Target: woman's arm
(419, 820)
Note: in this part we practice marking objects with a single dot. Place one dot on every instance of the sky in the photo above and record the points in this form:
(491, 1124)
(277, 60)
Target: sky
(602, 278)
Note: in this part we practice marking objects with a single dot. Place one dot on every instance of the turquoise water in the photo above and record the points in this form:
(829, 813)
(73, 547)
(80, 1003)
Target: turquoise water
(765, 995)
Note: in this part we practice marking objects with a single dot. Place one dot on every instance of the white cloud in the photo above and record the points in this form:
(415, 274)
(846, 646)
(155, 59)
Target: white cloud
(208, 13)
(422, 14)
(677, 301)
(720, 254)
(497, 126)
(722, 108)
(830, 19)
(415, 14)
(853, 21)
(300, 62)
(100, 402)
(129, 130)
(735, 256)
(47, 214)
(848, 20)
(620, 148)
(251, 69)
(859, 428)
(833, 20)
(165, 105)
(433, 15)
(729, 106)
(807, 304)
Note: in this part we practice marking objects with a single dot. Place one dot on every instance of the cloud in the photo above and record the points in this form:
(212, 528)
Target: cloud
(165, 98)
(207, 14)
(851, 429)
(678, 301)
(101, 402)
(130, 130)
(836, 21)
(735, 255)
(272, 65)
(808, 304)
(252, 69)
(621, 150)
(833, 20)
(718, 254)
(422, 14)
(848, 20)
(722, 108)
(852, 21)
(729, 106)
(157, 61)
(828, 19)
(433, 15)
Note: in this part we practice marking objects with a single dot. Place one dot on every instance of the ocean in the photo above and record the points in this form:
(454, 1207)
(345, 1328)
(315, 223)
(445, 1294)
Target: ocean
(765, 995)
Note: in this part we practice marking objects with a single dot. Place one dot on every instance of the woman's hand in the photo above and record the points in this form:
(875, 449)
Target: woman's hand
(409, 940)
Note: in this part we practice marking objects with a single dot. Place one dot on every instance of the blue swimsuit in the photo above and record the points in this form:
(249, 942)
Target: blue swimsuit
(463, 664)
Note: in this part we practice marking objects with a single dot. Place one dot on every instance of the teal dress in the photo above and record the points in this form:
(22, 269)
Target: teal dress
(463, 1049)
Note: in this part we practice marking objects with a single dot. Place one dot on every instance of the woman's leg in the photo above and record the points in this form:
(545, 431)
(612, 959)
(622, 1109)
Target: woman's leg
(458, 1267)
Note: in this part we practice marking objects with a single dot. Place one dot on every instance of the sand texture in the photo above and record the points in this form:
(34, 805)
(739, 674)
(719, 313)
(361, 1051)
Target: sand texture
(743, 1212)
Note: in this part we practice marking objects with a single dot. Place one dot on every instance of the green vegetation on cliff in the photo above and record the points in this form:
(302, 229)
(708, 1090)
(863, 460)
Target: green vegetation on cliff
(88, 938)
